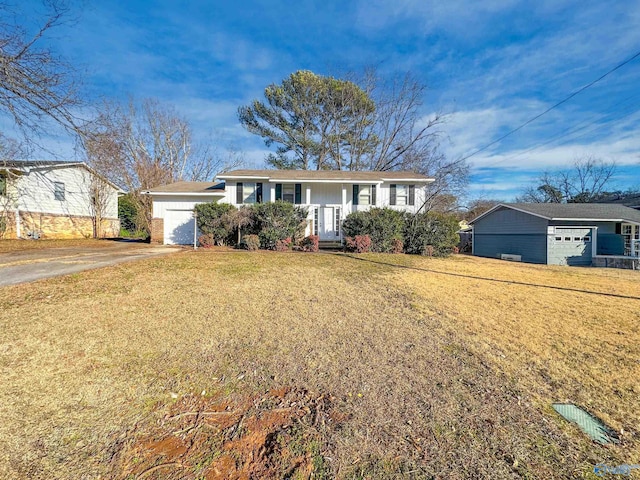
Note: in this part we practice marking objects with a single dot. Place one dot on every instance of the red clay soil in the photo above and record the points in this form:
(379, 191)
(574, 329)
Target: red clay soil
(269, 436)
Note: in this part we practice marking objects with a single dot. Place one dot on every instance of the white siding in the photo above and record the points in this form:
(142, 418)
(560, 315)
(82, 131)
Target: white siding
(184, 202)
(330, 194)
(34, 192)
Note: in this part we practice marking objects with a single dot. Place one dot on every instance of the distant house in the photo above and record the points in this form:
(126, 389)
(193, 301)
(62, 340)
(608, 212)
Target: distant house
(631, 200)
(51, 199)
(558, 234)
(329, 196)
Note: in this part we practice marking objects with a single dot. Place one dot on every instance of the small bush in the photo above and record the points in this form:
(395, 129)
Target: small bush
(311, 243)
(397, 246)
(283, 245)
(358, 244)
(251, 242)
(206, 241)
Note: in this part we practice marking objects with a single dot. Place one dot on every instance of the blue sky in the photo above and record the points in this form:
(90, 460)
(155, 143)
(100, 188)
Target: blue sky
(490, 65)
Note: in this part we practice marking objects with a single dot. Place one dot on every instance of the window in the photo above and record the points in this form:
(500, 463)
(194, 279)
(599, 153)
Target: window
(248, 192)
(364, 194)
(316, 214)
(58, 191)
(402, 194)
(3, 185)
(558, 239)
(586, 239)
(567, 239)
(577, 239)
(289, 192)
(337, 222)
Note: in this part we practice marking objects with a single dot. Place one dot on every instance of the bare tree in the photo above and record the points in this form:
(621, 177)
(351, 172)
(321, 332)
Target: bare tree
(10, 149)
(585, 182)
(143, 146)
(35, 84)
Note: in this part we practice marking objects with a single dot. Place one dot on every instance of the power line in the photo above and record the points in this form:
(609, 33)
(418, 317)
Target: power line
(620, 65)
(572, 130)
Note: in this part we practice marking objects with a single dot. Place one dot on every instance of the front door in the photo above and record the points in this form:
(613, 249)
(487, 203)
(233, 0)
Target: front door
(328, 228)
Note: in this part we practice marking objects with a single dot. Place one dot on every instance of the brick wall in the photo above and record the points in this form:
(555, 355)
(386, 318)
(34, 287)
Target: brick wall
(59, 226)
(157, 230)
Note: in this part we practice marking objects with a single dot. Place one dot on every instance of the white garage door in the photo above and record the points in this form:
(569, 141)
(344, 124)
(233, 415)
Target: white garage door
(178, 227)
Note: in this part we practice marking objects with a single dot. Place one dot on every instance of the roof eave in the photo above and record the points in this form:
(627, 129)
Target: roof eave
(184, 193)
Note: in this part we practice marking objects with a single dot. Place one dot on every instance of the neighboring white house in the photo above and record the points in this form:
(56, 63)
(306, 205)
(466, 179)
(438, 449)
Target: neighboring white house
(329, 196)
(52, 199)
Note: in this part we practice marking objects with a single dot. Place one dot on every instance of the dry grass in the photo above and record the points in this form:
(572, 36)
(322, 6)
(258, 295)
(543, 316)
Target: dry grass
(435, 374)
(7, 246)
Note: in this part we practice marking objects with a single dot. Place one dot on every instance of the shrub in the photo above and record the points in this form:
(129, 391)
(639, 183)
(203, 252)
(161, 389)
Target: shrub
(433, 234)
(279, 220)
(206, 241)
(283, 245)
(397, 246)
(358, 244)
(311, 243)
(217, 220)
(128, 213)
(383, 225)
(251, 242)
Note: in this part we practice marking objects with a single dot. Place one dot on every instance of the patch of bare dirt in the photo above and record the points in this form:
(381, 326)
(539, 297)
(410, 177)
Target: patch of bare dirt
(276, 435)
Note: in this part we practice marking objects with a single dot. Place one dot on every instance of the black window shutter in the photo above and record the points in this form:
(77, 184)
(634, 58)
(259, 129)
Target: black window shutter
(239, 198)
(392, 198)
(356, 192)
(258, 192)
(373, 195)
(298, 199)
(412, 194)
(278, 191)
(618, 228)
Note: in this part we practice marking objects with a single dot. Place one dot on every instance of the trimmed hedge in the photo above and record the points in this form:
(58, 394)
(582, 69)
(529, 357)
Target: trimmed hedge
(277, 221)
(217, 220)
(392, 231)
(433, 234)
(276, 224)
(383, 225)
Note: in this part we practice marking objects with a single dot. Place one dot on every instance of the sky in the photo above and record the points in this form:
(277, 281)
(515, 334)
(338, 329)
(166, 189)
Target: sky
(489, 66)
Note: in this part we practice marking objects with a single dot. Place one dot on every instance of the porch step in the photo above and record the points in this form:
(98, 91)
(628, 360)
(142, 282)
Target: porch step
(330, 245)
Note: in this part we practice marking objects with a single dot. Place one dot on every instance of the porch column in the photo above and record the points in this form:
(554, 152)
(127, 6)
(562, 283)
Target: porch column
(344, 197)
(308, 195)
(272, 193)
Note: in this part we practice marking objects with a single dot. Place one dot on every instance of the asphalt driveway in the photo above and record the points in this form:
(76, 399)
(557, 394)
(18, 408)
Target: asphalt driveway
(30, 265)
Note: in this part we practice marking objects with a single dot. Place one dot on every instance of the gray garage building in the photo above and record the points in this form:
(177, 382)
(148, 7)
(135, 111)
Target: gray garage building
(557, 234)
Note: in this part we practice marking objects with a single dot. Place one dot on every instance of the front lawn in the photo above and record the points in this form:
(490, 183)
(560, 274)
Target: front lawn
(219, 364)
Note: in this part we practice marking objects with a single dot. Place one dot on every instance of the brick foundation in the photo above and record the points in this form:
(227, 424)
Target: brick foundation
(50, 226)
(157, 230)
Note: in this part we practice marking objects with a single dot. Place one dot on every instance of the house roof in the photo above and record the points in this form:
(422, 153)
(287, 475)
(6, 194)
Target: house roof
(573, 211)
(325, 175)
(28, 165)
(208, 188)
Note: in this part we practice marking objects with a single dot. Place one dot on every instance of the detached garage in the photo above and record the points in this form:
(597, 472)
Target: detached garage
(173, 222)
(557, 234)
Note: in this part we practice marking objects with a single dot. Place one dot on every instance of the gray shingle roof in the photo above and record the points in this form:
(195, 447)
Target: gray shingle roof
(325, 175)
(189, 187)
(579, 211)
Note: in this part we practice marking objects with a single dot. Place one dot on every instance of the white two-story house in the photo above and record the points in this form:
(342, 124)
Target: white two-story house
(329, 197)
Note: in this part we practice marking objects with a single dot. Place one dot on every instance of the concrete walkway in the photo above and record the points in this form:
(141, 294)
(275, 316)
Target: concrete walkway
(31, 265)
